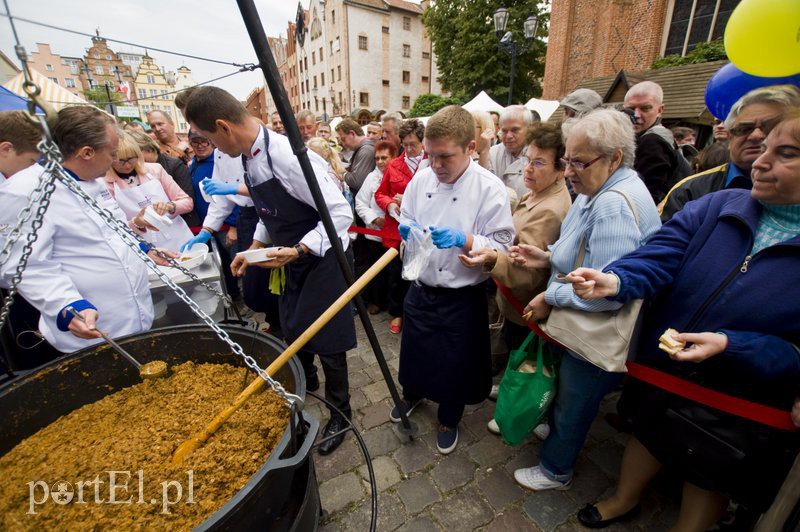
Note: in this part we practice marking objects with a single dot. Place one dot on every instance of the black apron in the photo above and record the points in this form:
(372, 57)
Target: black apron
(312, 283)
(445, 352)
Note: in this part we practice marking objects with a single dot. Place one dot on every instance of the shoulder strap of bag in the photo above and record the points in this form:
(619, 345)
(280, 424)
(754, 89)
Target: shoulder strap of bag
(582, 247)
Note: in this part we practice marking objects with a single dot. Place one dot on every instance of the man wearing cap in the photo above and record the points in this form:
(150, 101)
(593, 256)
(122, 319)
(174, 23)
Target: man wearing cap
(579, 102)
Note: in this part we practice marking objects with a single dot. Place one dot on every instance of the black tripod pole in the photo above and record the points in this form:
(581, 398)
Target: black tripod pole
(267, 63)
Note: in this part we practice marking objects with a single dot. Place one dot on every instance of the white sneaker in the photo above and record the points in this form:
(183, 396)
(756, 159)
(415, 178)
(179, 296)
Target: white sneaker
(534, 479)
(542, 431)
(494, 392)
(493, 427)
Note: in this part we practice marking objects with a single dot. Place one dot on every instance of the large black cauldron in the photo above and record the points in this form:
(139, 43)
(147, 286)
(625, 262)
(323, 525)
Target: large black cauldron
(281, 495)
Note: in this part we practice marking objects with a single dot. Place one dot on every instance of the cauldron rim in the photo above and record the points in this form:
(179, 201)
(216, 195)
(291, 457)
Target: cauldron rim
(276, 461)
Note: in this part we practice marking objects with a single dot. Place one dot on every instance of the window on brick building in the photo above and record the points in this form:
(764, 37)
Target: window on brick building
(48, 67)
(333, 16)
(54, 80)
(426, 55)
(425, 79)
(363, 99)
(141, 94)
(406, 50)
(98, 70)
(153, 93)
(362, 42)
(406, 102)
(407, 23)
(322, 79)
(108, 57)
(385, 29)
(69, 83)
(151, 79)
(696, 21)
(313, 58)
(339, 73)
(406, 76)
(320, 53)
(386, 83)
(164, 95)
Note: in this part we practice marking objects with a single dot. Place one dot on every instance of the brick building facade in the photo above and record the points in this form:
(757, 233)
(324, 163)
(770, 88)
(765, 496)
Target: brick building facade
(594, 38)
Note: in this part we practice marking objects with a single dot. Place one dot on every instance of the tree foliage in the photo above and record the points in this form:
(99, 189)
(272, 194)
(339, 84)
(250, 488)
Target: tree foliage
(468, 54)
(702, 53)
(99, 98)
(427, 104)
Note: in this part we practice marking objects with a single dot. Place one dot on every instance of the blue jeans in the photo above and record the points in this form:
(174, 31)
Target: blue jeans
(581, 387)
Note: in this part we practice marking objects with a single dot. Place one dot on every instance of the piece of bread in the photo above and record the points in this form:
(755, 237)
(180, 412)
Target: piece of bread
(668, 343)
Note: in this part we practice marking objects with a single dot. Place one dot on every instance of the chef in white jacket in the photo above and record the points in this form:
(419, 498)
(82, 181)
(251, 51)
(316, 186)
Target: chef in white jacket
(445, 352)
(77, 261)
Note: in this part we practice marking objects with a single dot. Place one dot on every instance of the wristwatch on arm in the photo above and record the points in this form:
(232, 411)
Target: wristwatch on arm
(300, 250)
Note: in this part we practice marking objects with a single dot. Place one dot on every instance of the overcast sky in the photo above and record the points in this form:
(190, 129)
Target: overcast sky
(211, 28)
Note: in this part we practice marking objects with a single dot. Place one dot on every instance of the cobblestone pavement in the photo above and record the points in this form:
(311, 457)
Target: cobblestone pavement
(471, 489)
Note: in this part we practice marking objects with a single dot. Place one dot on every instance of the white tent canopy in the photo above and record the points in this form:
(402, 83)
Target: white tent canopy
(482, 102)
(545, 108)
(57, 96)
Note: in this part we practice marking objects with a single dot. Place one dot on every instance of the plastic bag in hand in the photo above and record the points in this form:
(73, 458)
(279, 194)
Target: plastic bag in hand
(418, 249)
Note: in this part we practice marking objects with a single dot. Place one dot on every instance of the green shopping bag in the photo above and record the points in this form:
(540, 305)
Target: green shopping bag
(527, 389)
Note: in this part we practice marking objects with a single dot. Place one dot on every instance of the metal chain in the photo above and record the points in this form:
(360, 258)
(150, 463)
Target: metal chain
(41, 197)
(133, 242)
(185, 271)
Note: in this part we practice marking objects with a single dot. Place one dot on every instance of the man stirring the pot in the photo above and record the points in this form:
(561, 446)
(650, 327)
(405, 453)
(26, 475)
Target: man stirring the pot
(311, 280)
(77, 261)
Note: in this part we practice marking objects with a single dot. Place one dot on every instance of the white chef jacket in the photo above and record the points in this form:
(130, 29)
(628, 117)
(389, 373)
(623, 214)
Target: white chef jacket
(366, 206)
(477, 203)
(288, 171)
(230, 170)
(77, 257)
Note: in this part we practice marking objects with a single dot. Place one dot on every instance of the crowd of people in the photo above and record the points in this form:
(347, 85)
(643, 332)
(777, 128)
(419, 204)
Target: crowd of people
(605, 208)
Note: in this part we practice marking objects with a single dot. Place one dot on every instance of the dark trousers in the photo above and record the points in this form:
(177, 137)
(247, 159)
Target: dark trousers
(398, 287)
(337, 385)
(255, 283)
(514, 334)
(377, 291)
(448, 414)
(231, 283)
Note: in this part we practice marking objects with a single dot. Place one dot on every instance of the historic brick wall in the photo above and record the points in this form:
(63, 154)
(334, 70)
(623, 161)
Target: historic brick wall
(593, 38)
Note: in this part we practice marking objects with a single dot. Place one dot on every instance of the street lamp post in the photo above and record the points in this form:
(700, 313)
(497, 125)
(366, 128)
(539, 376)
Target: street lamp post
(324, 111)
(332, 94)
(511, 46)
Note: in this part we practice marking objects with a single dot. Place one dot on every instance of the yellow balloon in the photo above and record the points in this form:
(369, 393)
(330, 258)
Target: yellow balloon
(762, 37)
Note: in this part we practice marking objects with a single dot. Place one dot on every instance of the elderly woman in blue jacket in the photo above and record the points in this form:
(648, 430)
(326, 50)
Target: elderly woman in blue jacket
(723, 273)
(615, 214)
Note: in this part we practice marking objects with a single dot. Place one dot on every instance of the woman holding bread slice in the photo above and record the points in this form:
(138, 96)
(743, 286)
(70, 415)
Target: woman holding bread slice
(720, 282)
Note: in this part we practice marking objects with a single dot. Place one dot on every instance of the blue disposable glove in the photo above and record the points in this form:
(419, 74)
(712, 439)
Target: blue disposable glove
(446, 237)
(404, 229)
(202, 237)
(215, 187)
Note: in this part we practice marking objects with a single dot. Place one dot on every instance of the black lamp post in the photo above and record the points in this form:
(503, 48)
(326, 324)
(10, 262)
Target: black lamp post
(511, 46)
(324, 110)
(332, 94)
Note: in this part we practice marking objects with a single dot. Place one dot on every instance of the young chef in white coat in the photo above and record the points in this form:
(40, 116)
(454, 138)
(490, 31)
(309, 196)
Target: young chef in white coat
(445, 352)
(19, 137)
(285, 207)
(77, 261)
(137, 185)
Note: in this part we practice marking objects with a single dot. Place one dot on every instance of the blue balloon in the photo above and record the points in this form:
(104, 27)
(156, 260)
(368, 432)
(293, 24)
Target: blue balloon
(729, 84)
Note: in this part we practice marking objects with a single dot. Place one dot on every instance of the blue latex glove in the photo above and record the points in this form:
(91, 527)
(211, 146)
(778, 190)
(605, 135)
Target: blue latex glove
(202, 237)
(446, 237)
(215, 187)
(404, 229)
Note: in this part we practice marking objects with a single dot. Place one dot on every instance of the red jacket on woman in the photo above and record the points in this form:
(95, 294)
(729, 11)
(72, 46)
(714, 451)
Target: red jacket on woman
(395, 180)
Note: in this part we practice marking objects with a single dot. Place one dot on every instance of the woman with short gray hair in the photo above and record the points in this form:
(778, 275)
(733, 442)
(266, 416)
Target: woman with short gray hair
(612, 216)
